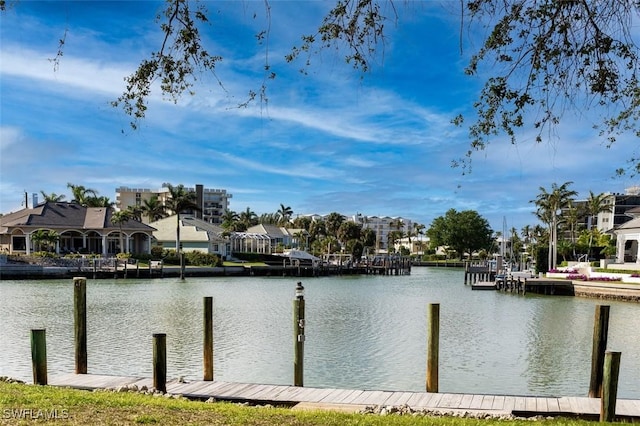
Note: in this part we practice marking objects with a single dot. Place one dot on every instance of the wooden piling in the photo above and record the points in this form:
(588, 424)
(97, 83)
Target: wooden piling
(39, 356)
(433, 347)
(208, 338)
(600, 332)
(80, 323)
(160, 362)
(611, 371)
(298, 332)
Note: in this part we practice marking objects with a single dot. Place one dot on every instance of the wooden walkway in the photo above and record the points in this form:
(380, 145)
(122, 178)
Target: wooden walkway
(354, 400)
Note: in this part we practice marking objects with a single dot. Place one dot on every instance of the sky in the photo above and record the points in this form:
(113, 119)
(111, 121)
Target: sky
(331, 140)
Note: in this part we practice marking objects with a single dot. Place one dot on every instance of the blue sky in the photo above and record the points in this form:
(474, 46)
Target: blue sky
(332, 140)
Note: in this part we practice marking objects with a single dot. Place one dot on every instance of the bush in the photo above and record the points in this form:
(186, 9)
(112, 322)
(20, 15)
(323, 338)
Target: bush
(47, 254)
(197, 258)
(123, 255)
(156, 252)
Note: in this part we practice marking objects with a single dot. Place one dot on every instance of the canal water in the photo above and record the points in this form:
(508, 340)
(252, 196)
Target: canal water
(362, 332)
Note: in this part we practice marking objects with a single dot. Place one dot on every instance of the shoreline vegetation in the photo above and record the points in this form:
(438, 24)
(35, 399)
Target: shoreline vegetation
(23, 404)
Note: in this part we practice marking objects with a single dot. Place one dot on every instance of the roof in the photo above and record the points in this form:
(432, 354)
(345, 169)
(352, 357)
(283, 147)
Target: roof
(191, 229)
(63, 215)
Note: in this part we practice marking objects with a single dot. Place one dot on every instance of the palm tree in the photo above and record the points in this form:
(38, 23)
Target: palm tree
(594, 206)
(135, 212)
(284, 213)
(153, 209)
(53, 197)
(248, 218)
(549, 205)
(180, 200)
(230, 220)
(81, 194)
(118, 218)
(100, 201)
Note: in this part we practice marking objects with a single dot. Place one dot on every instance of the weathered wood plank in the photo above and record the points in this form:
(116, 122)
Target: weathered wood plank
(435, 400)
(552, 405)
(466, 401)
(349, 399)
(476, 402)
(498, 402)
(530, 404)
(487, 402)
(564, 404)
(541, 405)
(399, 398)
(520, 404)
(509, 404)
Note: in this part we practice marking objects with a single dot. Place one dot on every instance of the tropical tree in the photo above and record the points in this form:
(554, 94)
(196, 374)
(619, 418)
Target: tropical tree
(549, 205)
(302, 222)
(135, 212)
(284, 213)
(230, 220)
(153, 209)
(100, 201)
(595, 205)
(118, 218)
(248, 218)
(269, 219)
(81, 194)
(53, 197)
(464, 232)
(333, 222)
(180, 200)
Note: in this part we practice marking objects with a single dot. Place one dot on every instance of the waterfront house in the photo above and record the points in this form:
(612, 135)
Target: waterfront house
(268, 239)
(80, 229)
(628, 239)
(195, 235)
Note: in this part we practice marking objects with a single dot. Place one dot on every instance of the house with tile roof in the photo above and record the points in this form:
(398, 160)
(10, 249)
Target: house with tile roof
(81, 230)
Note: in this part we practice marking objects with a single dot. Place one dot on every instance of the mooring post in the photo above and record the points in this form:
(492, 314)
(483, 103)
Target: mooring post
(160, 362)
(298, 333)
(600, 332)
(433, 347)
(208, 338)
(39, 356)
(610, 386)
(182, 266)
(80, 323)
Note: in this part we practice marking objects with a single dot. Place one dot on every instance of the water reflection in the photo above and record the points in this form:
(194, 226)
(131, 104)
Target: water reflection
(362, 332)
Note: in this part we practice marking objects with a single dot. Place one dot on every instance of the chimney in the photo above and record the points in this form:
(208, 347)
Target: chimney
(199, 200)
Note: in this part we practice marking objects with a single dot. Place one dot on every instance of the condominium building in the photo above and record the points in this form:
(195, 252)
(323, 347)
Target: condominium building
(213, 202)
(619, 205)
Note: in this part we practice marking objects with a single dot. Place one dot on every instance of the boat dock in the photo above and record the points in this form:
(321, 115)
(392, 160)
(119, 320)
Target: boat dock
(357, 399)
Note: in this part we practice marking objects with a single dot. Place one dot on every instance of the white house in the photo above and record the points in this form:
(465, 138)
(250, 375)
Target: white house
(195, 235)
(628, 239)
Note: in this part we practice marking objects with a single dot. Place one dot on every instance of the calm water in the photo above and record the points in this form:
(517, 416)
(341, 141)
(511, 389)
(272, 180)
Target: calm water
(362, 332)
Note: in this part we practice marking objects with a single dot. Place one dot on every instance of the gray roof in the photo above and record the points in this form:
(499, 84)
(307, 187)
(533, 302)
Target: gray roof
(62, 215)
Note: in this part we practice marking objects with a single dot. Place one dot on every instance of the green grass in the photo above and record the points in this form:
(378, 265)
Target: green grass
(76, 407)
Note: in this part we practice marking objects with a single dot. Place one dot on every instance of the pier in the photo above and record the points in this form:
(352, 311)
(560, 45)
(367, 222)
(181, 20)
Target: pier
(357, 399)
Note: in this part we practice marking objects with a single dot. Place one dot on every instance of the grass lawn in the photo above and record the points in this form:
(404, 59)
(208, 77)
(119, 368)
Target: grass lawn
(30, 404)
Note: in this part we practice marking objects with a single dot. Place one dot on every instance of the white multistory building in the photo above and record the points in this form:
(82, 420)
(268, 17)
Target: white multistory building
(213, 202)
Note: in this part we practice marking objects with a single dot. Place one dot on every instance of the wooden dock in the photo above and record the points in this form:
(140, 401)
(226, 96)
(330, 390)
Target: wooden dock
(357, 399)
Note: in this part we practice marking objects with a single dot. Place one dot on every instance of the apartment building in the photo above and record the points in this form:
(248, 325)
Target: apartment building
(213, 202)
(620, 204)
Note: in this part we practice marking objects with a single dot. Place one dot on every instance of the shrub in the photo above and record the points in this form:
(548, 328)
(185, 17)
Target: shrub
(156, 252)
(47, 254)
(197, 258)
